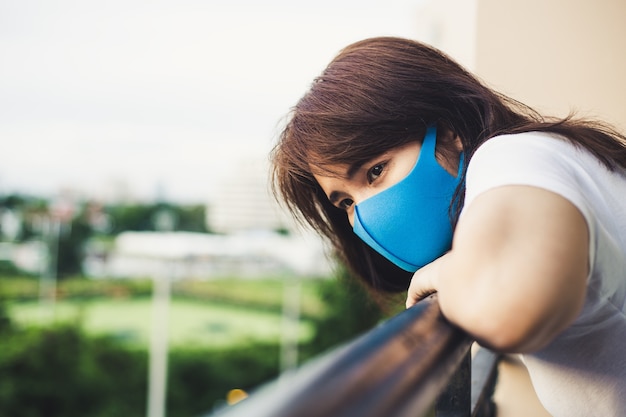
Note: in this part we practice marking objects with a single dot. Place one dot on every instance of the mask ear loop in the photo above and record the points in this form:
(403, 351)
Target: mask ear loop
(428, 147)
(461, 165)
(458, 180)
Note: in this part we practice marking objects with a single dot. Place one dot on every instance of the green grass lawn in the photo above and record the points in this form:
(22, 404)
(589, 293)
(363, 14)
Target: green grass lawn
(191, 323)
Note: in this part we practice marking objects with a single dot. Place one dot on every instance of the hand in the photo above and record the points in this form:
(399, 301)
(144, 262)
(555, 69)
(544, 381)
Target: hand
(424, 281)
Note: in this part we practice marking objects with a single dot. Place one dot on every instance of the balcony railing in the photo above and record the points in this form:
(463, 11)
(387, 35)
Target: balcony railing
(414, 364)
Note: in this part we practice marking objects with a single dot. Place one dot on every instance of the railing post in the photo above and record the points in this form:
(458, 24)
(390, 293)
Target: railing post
(484, 379)
(455, 399)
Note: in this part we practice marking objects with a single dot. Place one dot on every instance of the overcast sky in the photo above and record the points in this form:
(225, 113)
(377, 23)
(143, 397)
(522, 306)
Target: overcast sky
(161, 94)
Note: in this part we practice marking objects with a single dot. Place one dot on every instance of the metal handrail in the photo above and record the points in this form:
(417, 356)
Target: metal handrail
(404, 367)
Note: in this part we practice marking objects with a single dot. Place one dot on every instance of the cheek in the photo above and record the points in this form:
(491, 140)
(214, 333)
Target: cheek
(350, 214)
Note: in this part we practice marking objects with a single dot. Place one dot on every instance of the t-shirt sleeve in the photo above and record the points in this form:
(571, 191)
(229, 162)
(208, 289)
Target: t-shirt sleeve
(533, 159)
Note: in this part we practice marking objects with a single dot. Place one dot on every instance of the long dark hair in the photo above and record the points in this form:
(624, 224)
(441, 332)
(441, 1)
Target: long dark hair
(383, 92)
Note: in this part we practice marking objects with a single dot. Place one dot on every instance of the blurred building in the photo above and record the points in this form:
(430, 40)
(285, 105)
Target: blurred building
(205, 256)
(244, 202)
(556, 56)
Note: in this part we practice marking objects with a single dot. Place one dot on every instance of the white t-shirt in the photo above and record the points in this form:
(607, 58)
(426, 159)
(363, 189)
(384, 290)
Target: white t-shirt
(583, 371)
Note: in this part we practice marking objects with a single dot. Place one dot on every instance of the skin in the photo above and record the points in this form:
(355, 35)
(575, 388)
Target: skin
(348, 185)
(517, 272)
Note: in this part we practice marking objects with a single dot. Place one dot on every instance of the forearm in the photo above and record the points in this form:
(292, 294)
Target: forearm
(487, 303)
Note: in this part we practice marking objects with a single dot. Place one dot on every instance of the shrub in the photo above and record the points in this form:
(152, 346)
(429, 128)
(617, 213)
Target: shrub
(60, 372)
(350, 311)
(200, 380)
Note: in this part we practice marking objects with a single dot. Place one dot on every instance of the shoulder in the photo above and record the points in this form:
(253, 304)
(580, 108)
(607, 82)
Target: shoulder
(535, 159)
(524, 140)
(522, 150)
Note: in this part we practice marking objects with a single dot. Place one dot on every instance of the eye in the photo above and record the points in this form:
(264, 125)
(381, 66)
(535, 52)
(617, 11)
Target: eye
(375, 172)
(346, 203)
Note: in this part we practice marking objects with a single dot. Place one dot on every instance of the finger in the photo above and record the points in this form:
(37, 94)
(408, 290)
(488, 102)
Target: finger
(413, 297)
(410, 301)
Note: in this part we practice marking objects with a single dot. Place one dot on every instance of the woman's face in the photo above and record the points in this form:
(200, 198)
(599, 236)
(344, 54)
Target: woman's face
(347, 185)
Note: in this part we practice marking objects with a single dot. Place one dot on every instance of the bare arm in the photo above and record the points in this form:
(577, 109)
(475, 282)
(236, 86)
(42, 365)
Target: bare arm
(516, 275)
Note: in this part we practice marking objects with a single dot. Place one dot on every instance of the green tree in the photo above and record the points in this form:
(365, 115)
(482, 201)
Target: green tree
(135, 217)
(71, 243)
(351, 311)
(192, 218)
(144, 217)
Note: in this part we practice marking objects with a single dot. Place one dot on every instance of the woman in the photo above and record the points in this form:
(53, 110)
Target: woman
(425, 180)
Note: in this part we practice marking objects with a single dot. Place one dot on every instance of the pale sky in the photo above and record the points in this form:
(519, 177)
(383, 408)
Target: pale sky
(161, 94)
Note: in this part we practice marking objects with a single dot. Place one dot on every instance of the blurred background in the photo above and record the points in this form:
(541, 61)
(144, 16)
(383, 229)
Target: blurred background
(145, 268)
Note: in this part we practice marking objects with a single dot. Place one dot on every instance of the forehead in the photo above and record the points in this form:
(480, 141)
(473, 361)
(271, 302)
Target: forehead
(336, 156)
(339, 170)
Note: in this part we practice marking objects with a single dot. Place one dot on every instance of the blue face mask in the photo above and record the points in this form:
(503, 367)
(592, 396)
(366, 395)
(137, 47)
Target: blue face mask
(408, 223)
